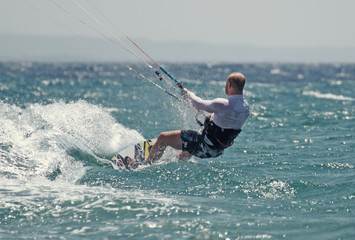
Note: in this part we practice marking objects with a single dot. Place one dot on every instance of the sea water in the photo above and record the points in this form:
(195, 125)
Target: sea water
(289, 175)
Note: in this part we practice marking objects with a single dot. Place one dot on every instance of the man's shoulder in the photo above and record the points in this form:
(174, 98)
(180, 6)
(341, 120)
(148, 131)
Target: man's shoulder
(220, 100)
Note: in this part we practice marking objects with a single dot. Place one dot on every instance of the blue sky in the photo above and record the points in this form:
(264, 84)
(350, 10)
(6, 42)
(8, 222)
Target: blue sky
(261, 23)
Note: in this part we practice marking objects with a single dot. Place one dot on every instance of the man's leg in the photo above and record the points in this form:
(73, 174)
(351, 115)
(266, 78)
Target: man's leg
(171, 139)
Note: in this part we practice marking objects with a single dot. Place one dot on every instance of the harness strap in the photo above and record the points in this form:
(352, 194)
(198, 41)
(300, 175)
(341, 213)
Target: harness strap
(220, 137)
(225, 146)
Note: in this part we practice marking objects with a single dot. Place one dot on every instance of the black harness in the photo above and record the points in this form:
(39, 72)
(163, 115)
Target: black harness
(220, 137)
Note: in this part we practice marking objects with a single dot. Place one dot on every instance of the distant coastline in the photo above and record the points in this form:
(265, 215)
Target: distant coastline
(85, 49)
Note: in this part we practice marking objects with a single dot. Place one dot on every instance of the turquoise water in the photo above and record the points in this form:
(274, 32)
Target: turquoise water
(290, 174)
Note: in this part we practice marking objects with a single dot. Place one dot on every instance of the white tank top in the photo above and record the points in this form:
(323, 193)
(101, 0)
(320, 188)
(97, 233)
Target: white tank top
(226, 113)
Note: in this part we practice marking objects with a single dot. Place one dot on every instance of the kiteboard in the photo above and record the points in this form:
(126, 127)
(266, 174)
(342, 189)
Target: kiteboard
(132, 156)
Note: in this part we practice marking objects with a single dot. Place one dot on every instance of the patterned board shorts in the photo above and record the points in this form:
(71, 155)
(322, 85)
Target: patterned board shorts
(193, 142)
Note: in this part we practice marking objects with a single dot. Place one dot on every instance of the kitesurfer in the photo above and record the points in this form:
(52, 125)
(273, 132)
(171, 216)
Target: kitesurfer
(219, 130)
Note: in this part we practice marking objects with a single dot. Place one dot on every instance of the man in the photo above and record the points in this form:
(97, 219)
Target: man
(220, 129)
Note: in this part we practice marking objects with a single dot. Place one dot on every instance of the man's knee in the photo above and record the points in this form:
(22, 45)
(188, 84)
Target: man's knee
(162, 136)
(171, 138)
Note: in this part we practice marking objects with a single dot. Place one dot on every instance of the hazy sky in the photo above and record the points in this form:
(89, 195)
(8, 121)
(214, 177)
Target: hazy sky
(258, 22)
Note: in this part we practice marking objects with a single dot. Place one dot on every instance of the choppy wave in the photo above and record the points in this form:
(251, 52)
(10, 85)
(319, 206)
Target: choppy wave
(38, 139)
(269, 188)
(327, 96)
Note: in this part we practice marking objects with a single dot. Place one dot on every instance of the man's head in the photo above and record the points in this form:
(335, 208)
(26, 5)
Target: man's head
(235, 84)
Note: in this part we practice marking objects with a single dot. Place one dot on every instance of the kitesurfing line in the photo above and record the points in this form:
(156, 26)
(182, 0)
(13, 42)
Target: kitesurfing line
(158, 86)
(99, 32)
(121, 46)
(116, 37)
(177, 82)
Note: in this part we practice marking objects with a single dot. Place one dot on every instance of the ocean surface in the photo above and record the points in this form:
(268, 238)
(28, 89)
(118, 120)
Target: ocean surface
(289, 175)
